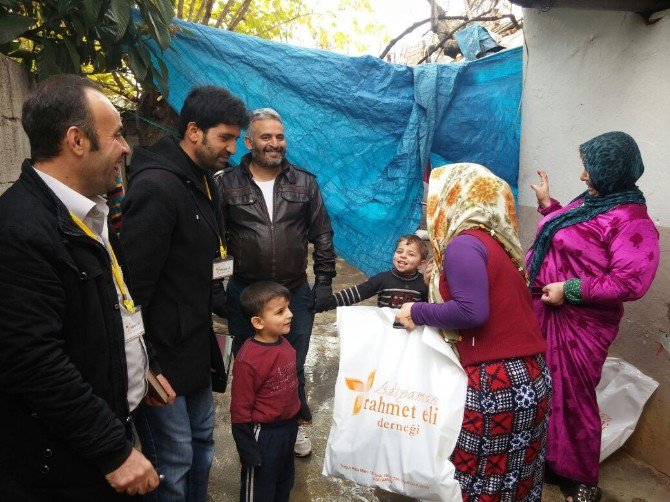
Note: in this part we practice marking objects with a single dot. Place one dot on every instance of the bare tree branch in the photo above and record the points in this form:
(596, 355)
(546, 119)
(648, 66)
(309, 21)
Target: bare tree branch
(287, 21)
(180, 9)
(482, 17)
(240, 15)
(444, 39)
(224, 12)
(414, 27)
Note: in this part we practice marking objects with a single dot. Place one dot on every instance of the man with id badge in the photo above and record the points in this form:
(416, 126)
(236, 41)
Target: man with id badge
(73, 361)
(173, 233)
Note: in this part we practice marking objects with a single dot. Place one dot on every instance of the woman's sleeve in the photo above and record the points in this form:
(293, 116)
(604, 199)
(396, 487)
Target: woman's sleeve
(554, 206)
(465, 266)
(634, 252)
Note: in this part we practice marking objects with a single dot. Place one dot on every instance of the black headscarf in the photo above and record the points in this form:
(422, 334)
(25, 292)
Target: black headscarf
(614, 164)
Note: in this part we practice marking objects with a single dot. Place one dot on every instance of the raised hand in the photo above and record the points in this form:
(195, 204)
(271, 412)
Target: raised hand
(542, 190)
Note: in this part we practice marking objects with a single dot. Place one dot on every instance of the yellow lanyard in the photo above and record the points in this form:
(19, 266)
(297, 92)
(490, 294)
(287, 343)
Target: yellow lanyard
(116, 270)
(222, 248)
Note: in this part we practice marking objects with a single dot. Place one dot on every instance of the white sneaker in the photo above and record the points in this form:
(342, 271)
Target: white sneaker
(303, 446)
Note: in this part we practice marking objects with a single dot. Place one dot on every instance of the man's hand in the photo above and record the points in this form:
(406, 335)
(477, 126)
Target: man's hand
(552, 294)
(542, 190)
(152, 401)
(404, 316)
(136, 476)
(321, 293)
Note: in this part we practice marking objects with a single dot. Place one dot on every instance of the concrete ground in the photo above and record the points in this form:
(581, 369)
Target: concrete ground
(623, 478)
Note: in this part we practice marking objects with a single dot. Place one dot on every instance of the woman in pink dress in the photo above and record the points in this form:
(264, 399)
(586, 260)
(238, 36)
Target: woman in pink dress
(587, 259)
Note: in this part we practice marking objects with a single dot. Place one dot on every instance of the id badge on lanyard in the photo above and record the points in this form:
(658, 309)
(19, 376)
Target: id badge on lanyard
(222, 268)
(133, 325)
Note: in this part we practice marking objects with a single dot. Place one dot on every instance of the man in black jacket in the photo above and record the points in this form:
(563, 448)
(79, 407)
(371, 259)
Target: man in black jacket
(272, 210)
(72, 356)
(173, 234)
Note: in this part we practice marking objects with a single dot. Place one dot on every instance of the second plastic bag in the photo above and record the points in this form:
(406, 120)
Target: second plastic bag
(399, 401)
(621, 393)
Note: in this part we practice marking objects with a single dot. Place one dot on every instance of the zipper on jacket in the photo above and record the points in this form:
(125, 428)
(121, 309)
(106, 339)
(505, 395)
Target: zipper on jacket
(273, 246)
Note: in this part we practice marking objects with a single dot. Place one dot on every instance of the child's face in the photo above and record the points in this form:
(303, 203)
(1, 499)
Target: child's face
(276, 317)
(407, 257)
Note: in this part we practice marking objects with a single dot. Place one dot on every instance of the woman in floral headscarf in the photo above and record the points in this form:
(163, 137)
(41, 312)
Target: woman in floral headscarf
(588, 258)
(480, 298)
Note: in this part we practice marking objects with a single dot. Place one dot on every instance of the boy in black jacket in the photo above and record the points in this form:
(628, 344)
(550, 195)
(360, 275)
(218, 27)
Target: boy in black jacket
(403, 283)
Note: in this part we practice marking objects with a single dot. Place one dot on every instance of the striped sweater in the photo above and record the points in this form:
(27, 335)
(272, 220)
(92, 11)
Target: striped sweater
(392, 290)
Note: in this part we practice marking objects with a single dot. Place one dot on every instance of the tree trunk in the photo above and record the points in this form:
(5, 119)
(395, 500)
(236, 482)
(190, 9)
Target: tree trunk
(224, 12)
(240, 15)
(208, 12)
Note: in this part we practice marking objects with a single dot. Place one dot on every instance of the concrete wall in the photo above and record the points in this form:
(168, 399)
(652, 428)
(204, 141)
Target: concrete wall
(589, 72)
(14, 147)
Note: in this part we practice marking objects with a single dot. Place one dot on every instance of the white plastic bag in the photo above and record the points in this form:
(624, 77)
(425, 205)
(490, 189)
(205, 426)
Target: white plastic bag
(621, 393)
(399, 401)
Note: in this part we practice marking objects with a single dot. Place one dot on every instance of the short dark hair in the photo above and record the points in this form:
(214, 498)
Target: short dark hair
(54, 106)
(209, 106)
(414, 239)
(256, 296)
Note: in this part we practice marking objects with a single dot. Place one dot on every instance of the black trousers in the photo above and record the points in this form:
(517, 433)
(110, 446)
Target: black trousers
(273, 479)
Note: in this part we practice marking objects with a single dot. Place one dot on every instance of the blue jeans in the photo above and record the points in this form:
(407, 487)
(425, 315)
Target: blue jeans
(239, 327)
(178, 439)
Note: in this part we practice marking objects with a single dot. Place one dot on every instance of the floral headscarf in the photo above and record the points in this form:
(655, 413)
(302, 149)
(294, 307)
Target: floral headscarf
(465, 196)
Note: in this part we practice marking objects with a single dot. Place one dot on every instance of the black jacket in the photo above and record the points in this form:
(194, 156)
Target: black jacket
(277, 250)
(170, 234)
(63, 377)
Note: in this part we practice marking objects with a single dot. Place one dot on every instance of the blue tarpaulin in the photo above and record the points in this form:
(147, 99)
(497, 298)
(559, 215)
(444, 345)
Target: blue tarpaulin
(475, 41)
(365, 127)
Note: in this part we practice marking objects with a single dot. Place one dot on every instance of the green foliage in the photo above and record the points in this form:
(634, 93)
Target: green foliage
(328, 24)
(98, 38)
(89, 37)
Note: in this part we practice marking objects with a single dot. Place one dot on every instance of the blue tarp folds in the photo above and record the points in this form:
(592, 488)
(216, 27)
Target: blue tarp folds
(365, 127)
(475, 41)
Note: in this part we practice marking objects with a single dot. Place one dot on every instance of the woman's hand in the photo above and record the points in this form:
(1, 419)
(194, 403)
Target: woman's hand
(542, 190)
(404, 316)
(552, 294)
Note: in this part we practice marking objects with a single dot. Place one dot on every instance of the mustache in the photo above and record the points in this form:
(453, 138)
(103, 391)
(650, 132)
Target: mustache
(277, 149)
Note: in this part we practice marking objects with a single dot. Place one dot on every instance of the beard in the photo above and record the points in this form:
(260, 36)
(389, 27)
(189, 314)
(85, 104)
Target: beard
(207, 159)
(261, 159)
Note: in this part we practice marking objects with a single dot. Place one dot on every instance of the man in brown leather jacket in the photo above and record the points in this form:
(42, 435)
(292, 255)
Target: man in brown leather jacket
(272, 209)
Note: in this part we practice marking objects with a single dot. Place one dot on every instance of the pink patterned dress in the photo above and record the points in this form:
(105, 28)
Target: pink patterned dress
(616, 255)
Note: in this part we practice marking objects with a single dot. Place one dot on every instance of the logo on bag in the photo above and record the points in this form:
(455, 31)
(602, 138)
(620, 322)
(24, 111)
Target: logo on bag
(358, 386)
(399, 409)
